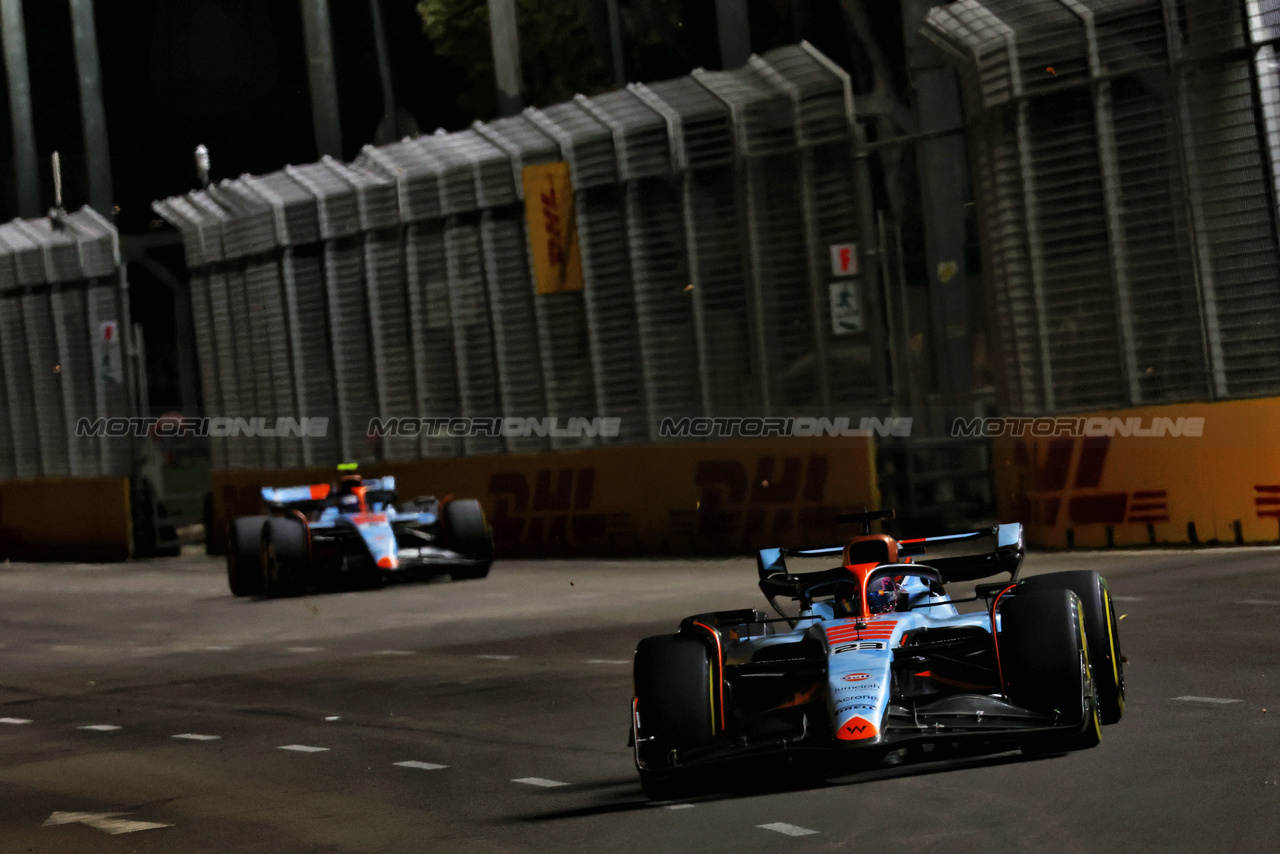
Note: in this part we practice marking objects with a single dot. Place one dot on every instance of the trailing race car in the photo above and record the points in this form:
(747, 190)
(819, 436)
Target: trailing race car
(353, 532)
(876, 657)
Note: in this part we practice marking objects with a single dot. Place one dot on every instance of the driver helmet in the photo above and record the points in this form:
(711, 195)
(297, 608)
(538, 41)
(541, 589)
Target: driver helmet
(349, 502)
(882, 595)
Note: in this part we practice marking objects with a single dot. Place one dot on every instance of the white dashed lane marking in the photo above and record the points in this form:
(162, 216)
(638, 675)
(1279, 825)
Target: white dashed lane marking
(334, 718)
(302, 649)
(787, 829)
(303, 748)
(607, 661)
(1126, 598)
(219, 648)
(679, 806)
(539, 781)
(100, 727)
(421, 766)
(15, 720)
(1218, 700)
(496, 657)
(394, 652)
(196, 736)
(104, 821)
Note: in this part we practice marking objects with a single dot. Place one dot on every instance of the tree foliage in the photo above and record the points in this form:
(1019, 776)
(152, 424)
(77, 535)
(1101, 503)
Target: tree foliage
(558, 55)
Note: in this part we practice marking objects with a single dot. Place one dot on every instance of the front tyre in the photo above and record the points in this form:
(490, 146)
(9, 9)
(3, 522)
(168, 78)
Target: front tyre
(286, 557)
(467, 533)
(1102, 630)
(1044, 656)
(675, 708)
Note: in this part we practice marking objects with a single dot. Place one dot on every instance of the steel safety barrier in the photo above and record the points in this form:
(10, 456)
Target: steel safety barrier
(1126, 155)
(64, 348)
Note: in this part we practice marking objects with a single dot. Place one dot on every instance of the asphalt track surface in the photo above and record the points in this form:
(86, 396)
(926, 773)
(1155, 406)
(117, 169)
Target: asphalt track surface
(519, 686)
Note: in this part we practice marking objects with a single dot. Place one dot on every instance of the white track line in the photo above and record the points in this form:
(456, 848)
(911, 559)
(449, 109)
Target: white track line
(395, 652)
(1222, 701)
(15, 720)
(100, 727)
(1126, 598)
(607, 661)
(787, 829)
(303, 748)
(539, 781)
(422, 766)
(496, 657)
(334, 718)
(219, 648)
(680, 806)
(302, 649)
(195, 736)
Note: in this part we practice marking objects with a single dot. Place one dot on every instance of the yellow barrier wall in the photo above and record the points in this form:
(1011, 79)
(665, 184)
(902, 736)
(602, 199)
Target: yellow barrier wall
(699, 498)
(82, 519)
(1222, 486)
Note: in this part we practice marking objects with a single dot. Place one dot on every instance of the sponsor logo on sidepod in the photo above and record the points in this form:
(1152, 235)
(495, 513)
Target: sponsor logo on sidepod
(856, 677)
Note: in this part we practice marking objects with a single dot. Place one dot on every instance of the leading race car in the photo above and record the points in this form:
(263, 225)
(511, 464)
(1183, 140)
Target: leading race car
(876, 657)
(351, 531)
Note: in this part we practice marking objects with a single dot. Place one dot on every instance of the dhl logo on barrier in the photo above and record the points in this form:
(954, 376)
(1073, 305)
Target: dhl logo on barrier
(553, 230)
(737, 503)
(1065, 466)
(1217, 484)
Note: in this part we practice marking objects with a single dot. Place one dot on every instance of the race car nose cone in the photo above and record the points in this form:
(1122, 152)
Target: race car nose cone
(856, 728)
(388, 562)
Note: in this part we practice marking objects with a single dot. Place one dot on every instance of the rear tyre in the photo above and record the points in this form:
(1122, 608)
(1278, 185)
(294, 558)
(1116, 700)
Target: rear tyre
(244, 555)
(286, 557)
(467, 533)
(1044, 654)
(676, 709)
(1102, 630)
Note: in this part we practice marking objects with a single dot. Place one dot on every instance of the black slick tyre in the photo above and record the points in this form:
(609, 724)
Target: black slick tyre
(244, 555)
(1102, 629)
(467, 533)
(286, 557)
(676, 708)
(1044, 656)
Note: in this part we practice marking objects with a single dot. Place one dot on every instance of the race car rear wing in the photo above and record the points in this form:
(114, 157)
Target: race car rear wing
(971, 555)
(956, 557)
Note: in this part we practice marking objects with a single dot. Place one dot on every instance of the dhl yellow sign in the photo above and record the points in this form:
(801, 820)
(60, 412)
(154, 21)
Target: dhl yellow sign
(553, 230)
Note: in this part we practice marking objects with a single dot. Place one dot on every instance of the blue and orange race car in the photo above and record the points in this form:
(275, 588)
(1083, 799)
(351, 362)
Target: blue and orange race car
(874, 656)
(352, 533)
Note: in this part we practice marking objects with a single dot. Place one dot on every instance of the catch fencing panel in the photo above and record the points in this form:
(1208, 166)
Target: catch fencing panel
(560, 320)
(305, 321)
(1124, 154)
(663, 307)
(781, 282)
(63, 362)
(403, 285)
(702, 142)
(249, 243)
(218, 388)
(338, 208)
(420, 193)
(608, 294)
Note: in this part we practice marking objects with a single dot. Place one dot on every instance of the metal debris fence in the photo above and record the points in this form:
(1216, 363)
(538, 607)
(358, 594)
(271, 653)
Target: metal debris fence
(65, 347)
(1125, 157)
(401, 285)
